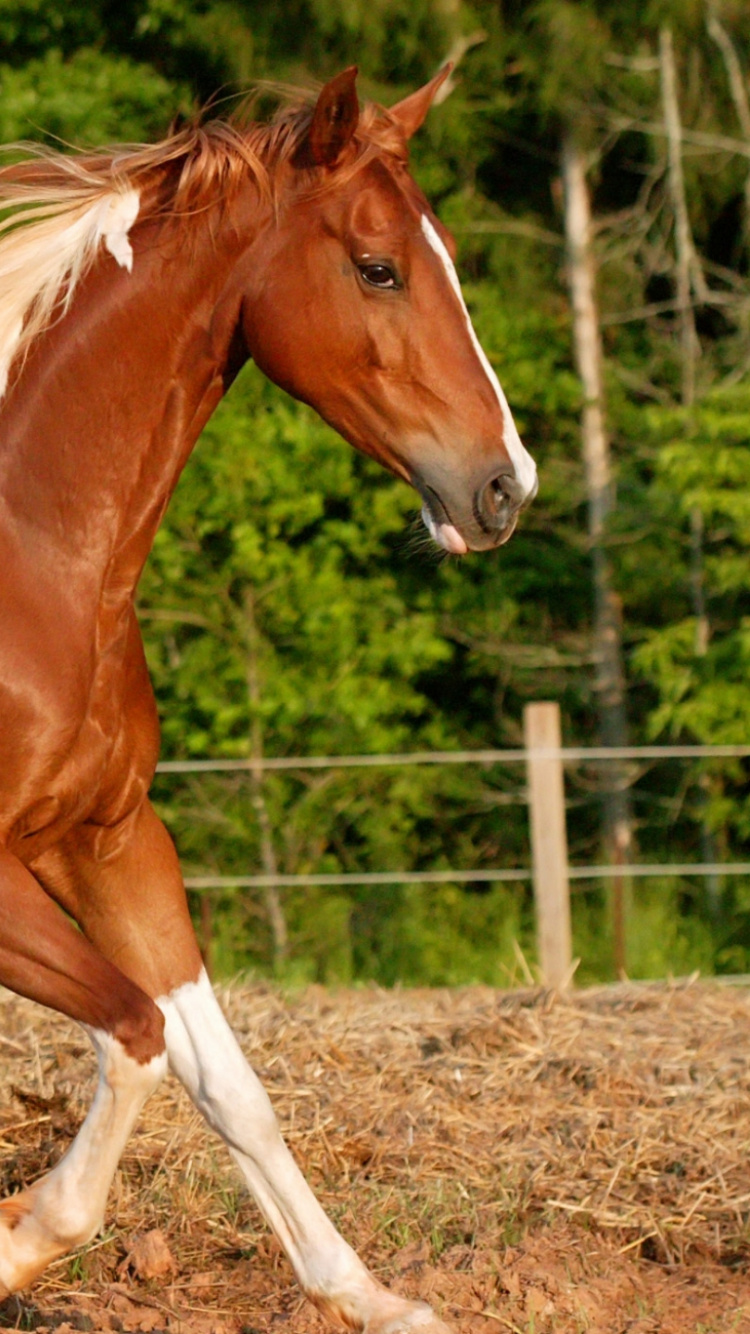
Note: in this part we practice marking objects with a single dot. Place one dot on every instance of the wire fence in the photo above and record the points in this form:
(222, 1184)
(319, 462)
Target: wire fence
(567, 754)
(543, 759)
(480, 758)
(480, 875)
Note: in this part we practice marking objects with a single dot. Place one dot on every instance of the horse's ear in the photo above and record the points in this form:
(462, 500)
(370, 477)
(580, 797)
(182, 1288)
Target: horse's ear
(411, 113)
(334, 119)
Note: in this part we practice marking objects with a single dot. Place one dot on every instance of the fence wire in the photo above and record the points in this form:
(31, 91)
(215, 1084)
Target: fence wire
(566, 754)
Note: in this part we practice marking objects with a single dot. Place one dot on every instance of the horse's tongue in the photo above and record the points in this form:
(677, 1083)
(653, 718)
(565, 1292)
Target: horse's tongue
(450, 538)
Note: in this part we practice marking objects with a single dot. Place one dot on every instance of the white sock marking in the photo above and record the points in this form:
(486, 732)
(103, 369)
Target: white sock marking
(66, 1207)
(524, 465)
(207, 1059)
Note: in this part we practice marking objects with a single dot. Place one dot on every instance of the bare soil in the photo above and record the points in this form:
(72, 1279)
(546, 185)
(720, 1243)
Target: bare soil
(526, 1162)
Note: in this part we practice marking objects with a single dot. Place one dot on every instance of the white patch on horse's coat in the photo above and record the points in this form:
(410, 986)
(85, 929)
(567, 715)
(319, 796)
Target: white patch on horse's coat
(118, 216)
(49, 254)
(66, 1207)
(8, 345)
(524, 465)
(206, 1057)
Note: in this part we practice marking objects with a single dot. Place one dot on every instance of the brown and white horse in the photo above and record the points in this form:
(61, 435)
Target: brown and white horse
(133, 286)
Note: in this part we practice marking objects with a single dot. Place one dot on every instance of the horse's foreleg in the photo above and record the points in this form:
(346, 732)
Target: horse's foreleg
(206, 1057)
(44, 957)
(135, 912)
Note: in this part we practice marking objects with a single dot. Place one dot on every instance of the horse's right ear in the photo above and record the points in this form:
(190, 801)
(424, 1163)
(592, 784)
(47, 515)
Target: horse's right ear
(334, 119)
(412, 111)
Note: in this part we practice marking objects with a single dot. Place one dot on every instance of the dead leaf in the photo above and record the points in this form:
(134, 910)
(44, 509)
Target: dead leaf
(149, 1256)
(201, 1281)
(143, 1320)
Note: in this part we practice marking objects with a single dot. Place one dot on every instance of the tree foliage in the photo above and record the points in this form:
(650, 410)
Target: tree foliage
(290, 603)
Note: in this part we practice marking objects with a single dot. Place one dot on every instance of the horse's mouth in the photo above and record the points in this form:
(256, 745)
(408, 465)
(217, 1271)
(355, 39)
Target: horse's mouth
(445, 534)
(455, 540)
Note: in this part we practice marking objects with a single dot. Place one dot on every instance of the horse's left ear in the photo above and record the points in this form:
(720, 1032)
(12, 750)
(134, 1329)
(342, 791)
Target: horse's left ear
(411, 113)
(334, 119)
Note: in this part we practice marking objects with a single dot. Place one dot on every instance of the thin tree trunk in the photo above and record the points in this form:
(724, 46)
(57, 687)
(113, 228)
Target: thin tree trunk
(274, 907)
(610, 676)
(689, 281)
(738, 91)
(689, 273)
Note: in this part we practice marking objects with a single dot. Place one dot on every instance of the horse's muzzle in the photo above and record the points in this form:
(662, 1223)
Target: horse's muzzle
(487, 521)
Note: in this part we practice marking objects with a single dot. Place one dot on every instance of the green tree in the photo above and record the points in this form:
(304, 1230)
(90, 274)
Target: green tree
(276, 513)
(287, 608)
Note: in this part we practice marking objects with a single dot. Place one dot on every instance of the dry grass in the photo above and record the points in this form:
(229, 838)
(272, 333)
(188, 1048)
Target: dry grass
(529, 1163)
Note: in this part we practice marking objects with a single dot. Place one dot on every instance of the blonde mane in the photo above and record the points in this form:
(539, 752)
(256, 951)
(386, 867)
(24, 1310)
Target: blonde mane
(56, 209)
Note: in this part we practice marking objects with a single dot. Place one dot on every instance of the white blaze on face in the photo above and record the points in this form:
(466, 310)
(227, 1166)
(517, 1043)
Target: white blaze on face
(523, 464)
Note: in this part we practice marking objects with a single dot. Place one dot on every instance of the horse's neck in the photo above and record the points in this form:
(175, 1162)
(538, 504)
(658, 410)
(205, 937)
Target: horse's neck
(111, 400)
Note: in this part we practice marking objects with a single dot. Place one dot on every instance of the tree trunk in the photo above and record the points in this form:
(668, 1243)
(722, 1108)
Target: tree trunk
(738, 91)
(274, 907)
(689, 275)
(607, 636)
(689, 280)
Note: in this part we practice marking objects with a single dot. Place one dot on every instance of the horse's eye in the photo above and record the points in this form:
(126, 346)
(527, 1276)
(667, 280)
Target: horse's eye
(379, 275)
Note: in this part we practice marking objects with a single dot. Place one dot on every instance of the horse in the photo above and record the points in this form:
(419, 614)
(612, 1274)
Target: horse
(134, 284)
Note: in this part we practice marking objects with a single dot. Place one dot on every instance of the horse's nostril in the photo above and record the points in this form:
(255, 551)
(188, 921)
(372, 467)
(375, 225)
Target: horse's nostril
(495, 499)
(498, 492)
(498, 500)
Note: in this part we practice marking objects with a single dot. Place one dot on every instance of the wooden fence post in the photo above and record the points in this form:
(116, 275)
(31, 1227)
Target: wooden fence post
(549, 845)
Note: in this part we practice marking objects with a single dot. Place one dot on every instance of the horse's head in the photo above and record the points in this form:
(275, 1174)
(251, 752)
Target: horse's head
(354, 306)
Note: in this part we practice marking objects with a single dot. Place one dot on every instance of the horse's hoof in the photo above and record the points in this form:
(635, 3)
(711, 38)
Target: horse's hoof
(418, 1319)
(27, 1243)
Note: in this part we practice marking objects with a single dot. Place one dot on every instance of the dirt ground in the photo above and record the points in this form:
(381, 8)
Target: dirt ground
(525, 1162)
